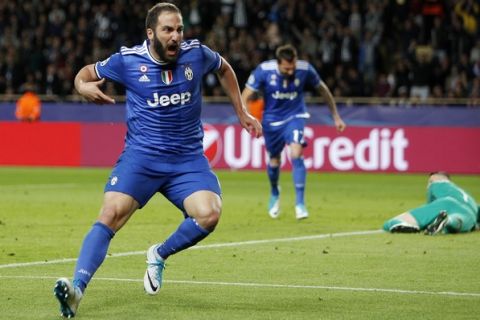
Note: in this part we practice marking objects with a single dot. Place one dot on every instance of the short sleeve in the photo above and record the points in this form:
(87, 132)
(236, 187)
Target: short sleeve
(255, 80)
(212, 60)
(111, 68)
(313, 79)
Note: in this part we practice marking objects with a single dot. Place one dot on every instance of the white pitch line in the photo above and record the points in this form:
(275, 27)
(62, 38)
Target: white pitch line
(207, 246)
(272, 285)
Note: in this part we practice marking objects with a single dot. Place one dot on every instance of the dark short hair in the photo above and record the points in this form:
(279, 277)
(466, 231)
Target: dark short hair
(286, 52)
(443, 173)
(156, 10)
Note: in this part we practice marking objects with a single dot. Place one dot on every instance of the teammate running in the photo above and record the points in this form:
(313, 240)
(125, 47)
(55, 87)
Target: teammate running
(283, 82)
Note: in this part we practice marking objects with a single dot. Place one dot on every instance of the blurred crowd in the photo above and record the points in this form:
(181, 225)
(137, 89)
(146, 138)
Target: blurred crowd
(381, 48)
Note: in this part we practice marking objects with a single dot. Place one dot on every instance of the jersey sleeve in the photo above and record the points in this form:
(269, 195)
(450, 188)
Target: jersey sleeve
(212, 60)
(110, 68)
(256, 79)
(313, 79)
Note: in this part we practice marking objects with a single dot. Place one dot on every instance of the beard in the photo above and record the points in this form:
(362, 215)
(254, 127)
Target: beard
(161, 51)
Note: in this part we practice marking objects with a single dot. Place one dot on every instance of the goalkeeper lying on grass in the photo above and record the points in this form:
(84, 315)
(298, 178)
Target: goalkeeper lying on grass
(449, 209)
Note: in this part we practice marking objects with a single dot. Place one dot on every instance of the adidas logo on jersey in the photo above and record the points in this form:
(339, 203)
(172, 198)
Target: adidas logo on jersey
(144, 78)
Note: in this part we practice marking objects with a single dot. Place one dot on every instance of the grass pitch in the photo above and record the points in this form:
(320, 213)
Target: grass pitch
(334, 265)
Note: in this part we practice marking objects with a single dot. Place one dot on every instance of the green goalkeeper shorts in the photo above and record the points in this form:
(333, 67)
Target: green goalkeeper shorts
(428, 212)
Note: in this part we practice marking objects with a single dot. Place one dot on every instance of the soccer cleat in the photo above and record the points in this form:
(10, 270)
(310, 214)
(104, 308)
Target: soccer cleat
(404, 227)
(301, 212)
(152, 281)
(438, 224)
(274, 206)
(68, 296)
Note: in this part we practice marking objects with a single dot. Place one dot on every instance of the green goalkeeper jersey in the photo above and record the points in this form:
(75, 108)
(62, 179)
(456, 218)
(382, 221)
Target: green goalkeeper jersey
(444, 189)
(447, 196)
(462, 210)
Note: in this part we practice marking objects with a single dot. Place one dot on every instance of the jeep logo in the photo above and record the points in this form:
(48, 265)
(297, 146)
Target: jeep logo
(284, 95)
(165, 100)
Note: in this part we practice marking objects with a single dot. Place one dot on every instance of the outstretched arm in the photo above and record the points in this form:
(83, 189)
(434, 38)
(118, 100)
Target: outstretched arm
(229, 83)
(88, 85)
(247, 94)
(332, 106)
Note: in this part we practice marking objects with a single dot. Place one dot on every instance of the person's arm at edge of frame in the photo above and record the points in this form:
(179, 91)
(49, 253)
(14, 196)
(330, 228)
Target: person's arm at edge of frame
(332, 106)
(88, 85)
(229, 83)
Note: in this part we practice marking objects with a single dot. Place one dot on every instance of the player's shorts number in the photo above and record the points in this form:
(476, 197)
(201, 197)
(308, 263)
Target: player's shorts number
(298, 136)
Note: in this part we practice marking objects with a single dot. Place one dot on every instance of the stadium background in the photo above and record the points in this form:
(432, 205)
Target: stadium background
(334, 265)
(411, 67)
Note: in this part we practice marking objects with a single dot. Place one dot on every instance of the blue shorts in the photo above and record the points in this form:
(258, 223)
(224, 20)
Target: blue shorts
(277, 136)
(141, 175)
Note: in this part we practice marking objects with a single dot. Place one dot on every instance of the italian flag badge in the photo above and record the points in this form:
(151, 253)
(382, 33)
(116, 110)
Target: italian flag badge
(167, 76)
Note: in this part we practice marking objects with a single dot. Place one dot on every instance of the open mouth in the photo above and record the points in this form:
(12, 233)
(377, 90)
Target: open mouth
(172, 49)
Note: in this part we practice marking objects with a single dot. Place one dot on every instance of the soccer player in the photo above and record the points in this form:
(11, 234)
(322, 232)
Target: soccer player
(283, 82)
(449, 209)
(163, 146)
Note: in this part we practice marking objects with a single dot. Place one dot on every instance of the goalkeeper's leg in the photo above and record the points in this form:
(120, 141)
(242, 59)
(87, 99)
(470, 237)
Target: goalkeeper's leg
(403, 223)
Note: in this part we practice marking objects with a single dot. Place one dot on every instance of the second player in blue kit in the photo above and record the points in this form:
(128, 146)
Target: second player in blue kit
(283, 82)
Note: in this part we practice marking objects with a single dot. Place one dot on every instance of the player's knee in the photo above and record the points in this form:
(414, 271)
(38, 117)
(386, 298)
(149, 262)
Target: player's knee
(296, 155)
(109, 216)
(212, 221)
(112, 217)
(274, 161)
(208, 216)
(296, 151)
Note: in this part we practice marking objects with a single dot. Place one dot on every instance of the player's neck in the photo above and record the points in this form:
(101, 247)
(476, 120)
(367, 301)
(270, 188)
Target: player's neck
(154, 54)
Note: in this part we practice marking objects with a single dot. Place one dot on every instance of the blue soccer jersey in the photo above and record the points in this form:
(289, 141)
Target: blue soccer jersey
(163, 100)
(283, 95)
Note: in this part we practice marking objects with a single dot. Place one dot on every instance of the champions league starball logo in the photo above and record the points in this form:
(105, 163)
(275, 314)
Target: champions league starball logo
(212, 144)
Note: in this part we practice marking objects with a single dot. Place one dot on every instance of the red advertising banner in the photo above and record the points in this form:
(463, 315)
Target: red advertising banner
(101, 143)
(392, 149)
(40, 144)
(372, 149)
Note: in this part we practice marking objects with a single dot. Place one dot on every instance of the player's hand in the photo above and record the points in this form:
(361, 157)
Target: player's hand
(339, 124)
(251, 124)
(91, 91)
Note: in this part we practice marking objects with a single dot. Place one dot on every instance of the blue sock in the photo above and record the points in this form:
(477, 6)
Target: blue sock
(93, 252)
(189, 232)
(299, 178)
(273, 174)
